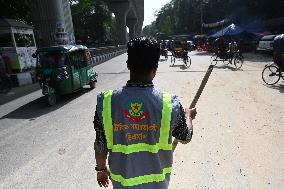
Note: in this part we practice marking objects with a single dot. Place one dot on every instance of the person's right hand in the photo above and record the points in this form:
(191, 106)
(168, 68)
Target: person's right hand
(190, 112)
(103, 178)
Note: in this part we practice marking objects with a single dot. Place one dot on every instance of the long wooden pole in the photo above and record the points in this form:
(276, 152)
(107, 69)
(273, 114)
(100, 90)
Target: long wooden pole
(197, 95)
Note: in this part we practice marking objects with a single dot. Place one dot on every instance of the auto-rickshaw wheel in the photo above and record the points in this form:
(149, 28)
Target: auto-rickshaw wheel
(92, 84)
(51, 99)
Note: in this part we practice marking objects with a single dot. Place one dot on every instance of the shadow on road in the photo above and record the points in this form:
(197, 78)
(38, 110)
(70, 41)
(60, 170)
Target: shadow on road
(279, 87)
(260, 58)
(39, 107)
(18, 92)
(202, 53)
(227, 67)
(163, 60)
(181, 66)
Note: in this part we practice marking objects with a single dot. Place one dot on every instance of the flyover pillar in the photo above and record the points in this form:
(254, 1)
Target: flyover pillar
(138, 28)
(52, 21)
(120, 10)
(131, 23)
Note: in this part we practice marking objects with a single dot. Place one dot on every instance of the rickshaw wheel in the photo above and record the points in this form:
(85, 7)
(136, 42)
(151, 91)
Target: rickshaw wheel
(227, 62)
(51, 99)
(238, 62)
(188, 62)
(92, 84)
(271, 74)
(213, 60)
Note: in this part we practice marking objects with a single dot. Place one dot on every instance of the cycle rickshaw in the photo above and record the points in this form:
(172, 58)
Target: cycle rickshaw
(231, 56)
(227, 58)
(180, 52)
(272, 72)
(163, 49)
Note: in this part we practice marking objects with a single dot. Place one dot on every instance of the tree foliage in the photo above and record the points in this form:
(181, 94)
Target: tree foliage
(92, 20)
(184, 16)
(16, 9)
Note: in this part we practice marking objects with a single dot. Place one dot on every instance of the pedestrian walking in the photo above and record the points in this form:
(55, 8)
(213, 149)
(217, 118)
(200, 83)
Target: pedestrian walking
(134, 125)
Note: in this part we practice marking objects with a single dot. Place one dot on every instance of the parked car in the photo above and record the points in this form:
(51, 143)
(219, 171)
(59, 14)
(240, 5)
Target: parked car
(266, 43)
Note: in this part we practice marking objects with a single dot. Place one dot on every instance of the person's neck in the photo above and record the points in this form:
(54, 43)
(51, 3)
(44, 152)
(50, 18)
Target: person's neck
(140, 79)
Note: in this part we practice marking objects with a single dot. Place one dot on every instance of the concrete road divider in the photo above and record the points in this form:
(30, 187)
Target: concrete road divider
(102, 54)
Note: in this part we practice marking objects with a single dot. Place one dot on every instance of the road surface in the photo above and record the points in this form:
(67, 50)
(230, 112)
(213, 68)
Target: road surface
(238, 139)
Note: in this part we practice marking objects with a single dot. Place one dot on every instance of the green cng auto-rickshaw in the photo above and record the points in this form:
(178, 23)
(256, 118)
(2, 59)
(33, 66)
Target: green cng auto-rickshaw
(63, 70)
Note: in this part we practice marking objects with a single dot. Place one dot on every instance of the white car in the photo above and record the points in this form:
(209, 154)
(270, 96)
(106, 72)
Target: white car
(266, 43)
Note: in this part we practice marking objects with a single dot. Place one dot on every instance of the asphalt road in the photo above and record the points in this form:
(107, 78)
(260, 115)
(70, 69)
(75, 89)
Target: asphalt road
(238, 137)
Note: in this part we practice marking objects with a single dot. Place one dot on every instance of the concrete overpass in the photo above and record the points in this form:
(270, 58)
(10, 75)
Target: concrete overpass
(53, 21)
(128, 13)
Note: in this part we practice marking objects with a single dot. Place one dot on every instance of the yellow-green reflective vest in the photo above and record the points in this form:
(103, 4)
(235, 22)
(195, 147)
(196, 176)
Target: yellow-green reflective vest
(162, 144)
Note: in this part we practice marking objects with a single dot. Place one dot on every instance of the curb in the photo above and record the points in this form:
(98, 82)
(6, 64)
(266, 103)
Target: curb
(105, 57)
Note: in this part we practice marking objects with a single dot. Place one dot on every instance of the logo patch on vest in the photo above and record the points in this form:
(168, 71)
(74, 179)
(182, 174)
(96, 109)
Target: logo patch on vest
(135, 111)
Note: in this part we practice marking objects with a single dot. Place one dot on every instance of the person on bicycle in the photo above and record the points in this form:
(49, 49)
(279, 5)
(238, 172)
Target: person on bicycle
(233, 46)
(168, 44)
(232, 49)
(163, 48)
(184, 48)
(278, 51)
(163, 45)
(221, 46)
(172, 45)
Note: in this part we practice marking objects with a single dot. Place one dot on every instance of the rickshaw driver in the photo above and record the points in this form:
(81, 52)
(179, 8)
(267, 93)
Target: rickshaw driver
(184, 46)
(180, 49)
(221, 46)
(163, 49)
(163, 45)
(232, 49)
(168, 44)
(278, 51)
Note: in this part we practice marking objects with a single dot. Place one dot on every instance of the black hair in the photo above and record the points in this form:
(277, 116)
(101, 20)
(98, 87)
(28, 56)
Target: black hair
(143, 55)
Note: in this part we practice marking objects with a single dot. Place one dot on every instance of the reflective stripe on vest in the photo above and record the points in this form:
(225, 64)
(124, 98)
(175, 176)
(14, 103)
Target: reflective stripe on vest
(141, 179)
(163, 143)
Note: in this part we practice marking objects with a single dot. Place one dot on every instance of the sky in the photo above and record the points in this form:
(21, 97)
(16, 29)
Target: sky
(150, 6)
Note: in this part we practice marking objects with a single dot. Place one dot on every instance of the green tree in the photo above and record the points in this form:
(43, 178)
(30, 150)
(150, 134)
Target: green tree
(185, 16)
(165, 21)
(150, 30)
(19, 10)
(92, 20)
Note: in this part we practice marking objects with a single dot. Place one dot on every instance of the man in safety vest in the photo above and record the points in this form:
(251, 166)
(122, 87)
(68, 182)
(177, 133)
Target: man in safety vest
(135, 124)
